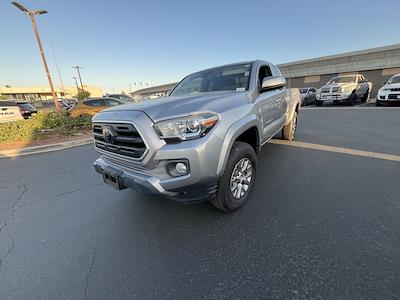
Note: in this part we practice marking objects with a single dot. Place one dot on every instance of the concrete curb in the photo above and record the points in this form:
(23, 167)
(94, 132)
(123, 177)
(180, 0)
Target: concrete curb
(44, 148)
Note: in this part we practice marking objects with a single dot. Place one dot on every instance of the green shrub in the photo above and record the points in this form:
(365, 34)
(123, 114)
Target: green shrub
(28, 130)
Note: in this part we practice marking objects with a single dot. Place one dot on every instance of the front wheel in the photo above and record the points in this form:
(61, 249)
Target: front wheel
(236, 184)
(318, 103)
(289, 130)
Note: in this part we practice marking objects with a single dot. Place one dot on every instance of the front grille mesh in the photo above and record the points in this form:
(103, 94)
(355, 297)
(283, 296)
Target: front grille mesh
(126, 139)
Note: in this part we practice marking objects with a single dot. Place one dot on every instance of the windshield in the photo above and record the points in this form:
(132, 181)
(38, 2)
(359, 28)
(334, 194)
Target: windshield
(343, 79)
(303, 91)
(394, 79)
(121, 97)
(229, 78)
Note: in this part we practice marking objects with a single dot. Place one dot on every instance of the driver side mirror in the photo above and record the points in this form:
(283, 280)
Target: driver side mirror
(273, 83)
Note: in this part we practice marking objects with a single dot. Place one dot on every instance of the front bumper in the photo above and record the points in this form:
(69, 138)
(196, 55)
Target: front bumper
(339, 96)
(149, 173)
(389, 97)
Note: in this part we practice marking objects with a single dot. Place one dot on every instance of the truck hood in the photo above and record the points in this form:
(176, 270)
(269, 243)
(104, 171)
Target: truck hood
(337, 85)
(173, 106)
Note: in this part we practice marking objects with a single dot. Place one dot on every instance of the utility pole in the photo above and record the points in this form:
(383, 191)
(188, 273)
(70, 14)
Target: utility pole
(58, 71)
(32, 14)
(76, 83)
(79, 75)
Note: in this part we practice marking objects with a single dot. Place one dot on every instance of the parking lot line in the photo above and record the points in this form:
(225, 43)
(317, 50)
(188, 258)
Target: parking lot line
(341, 150)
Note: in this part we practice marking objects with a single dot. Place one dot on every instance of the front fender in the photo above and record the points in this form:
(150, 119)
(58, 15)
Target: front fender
(234, 131)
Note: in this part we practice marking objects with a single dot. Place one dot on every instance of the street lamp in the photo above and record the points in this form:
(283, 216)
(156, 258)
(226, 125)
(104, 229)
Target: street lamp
(32, 14)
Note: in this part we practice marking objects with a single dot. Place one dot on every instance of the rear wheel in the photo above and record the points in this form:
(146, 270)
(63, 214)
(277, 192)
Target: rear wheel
(352, 98)
(236, 184)
(289, 131)
(365, 97)
(304, 101)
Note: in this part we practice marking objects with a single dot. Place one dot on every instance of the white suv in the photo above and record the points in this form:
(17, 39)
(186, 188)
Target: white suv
(390, 92)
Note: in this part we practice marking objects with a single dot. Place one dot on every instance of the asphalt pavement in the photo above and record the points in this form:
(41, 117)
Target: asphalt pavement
(319, 225)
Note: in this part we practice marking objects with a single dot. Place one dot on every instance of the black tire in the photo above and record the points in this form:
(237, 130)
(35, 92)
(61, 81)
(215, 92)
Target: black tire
(304, 101)
(352, 99)
(378, 103)
(224, 199)
(318, 103)
(365, 97)
(289, 131)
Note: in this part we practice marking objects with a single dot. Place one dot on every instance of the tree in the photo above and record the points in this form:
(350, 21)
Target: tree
(82, 95)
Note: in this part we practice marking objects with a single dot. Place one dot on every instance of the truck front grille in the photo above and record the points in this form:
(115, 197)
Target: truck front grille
(395, 90)
(325, 90)
(119, 138)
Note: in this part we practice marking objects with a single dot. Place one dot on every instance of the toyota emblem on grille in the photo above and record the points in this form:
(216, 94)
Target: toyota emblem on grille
(108, 135)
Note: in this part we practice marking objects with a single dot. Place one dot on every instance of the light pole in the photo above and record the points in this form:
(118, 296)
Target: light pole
(32, 14)
(76, 83)
(79, 75)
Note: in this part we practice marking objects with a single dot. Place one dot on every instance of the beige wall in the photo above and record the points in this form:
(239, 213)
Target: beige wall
(45, 93)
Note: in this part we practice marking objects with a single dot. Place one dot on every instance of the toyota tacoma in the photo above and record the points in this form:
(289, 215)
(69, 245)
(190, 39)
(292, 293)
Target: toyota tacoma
(200, 141)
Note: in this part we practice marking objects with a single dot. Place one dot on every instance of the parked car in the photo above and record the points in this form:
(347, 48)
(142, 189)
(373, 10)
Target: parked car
(48, 105)
(26, 109)
(346, 89)
(91, 106)
(9, 112)
(122, 97)
(307, 95)
(390, 92)
(200, 142)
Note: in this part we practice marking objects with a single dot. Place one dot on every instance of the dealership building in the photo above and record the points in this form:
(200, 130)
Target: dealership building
(376, 64)
(31, 93)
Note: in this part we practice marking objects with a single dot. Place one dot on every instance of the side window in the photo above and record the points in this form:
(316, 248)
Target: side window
(94, 102)
(112, 102)
(265, 71)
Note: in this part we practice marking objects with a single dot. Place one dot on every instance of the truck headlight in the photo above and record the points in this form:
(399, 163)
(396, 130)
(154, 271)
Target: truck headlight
(186, 128)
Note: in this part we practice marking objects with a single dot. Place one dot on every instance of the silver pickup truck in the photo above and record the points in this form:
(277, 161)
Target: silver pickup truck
(199, 142)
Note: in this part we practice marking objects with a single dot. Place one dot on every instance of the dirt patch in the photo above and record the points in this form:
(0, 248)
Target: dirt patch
(48, 139)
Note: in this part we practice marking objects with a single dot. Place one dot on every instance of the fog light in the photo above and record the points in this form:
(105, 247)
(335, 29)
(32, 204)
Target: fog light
(178, 168)
(181, 168)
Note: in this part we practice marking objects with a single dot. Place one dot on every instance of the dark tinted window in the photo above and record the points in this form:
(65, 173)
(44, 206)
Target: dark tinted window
(112, 102)
(94, 102)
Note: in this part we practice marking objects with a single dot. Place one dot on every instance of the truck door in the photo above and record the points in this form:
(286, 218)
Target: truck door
(269, 105)
(362, 85)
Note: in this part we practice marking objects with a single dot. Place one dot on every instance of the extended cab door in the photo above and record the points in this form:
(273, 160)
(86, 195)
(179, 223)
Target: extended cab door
(270, 104)
(362, 86)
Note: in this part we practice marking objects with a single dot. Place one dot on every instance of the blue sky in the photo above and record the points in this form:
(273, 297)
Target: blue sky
(122, 42)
